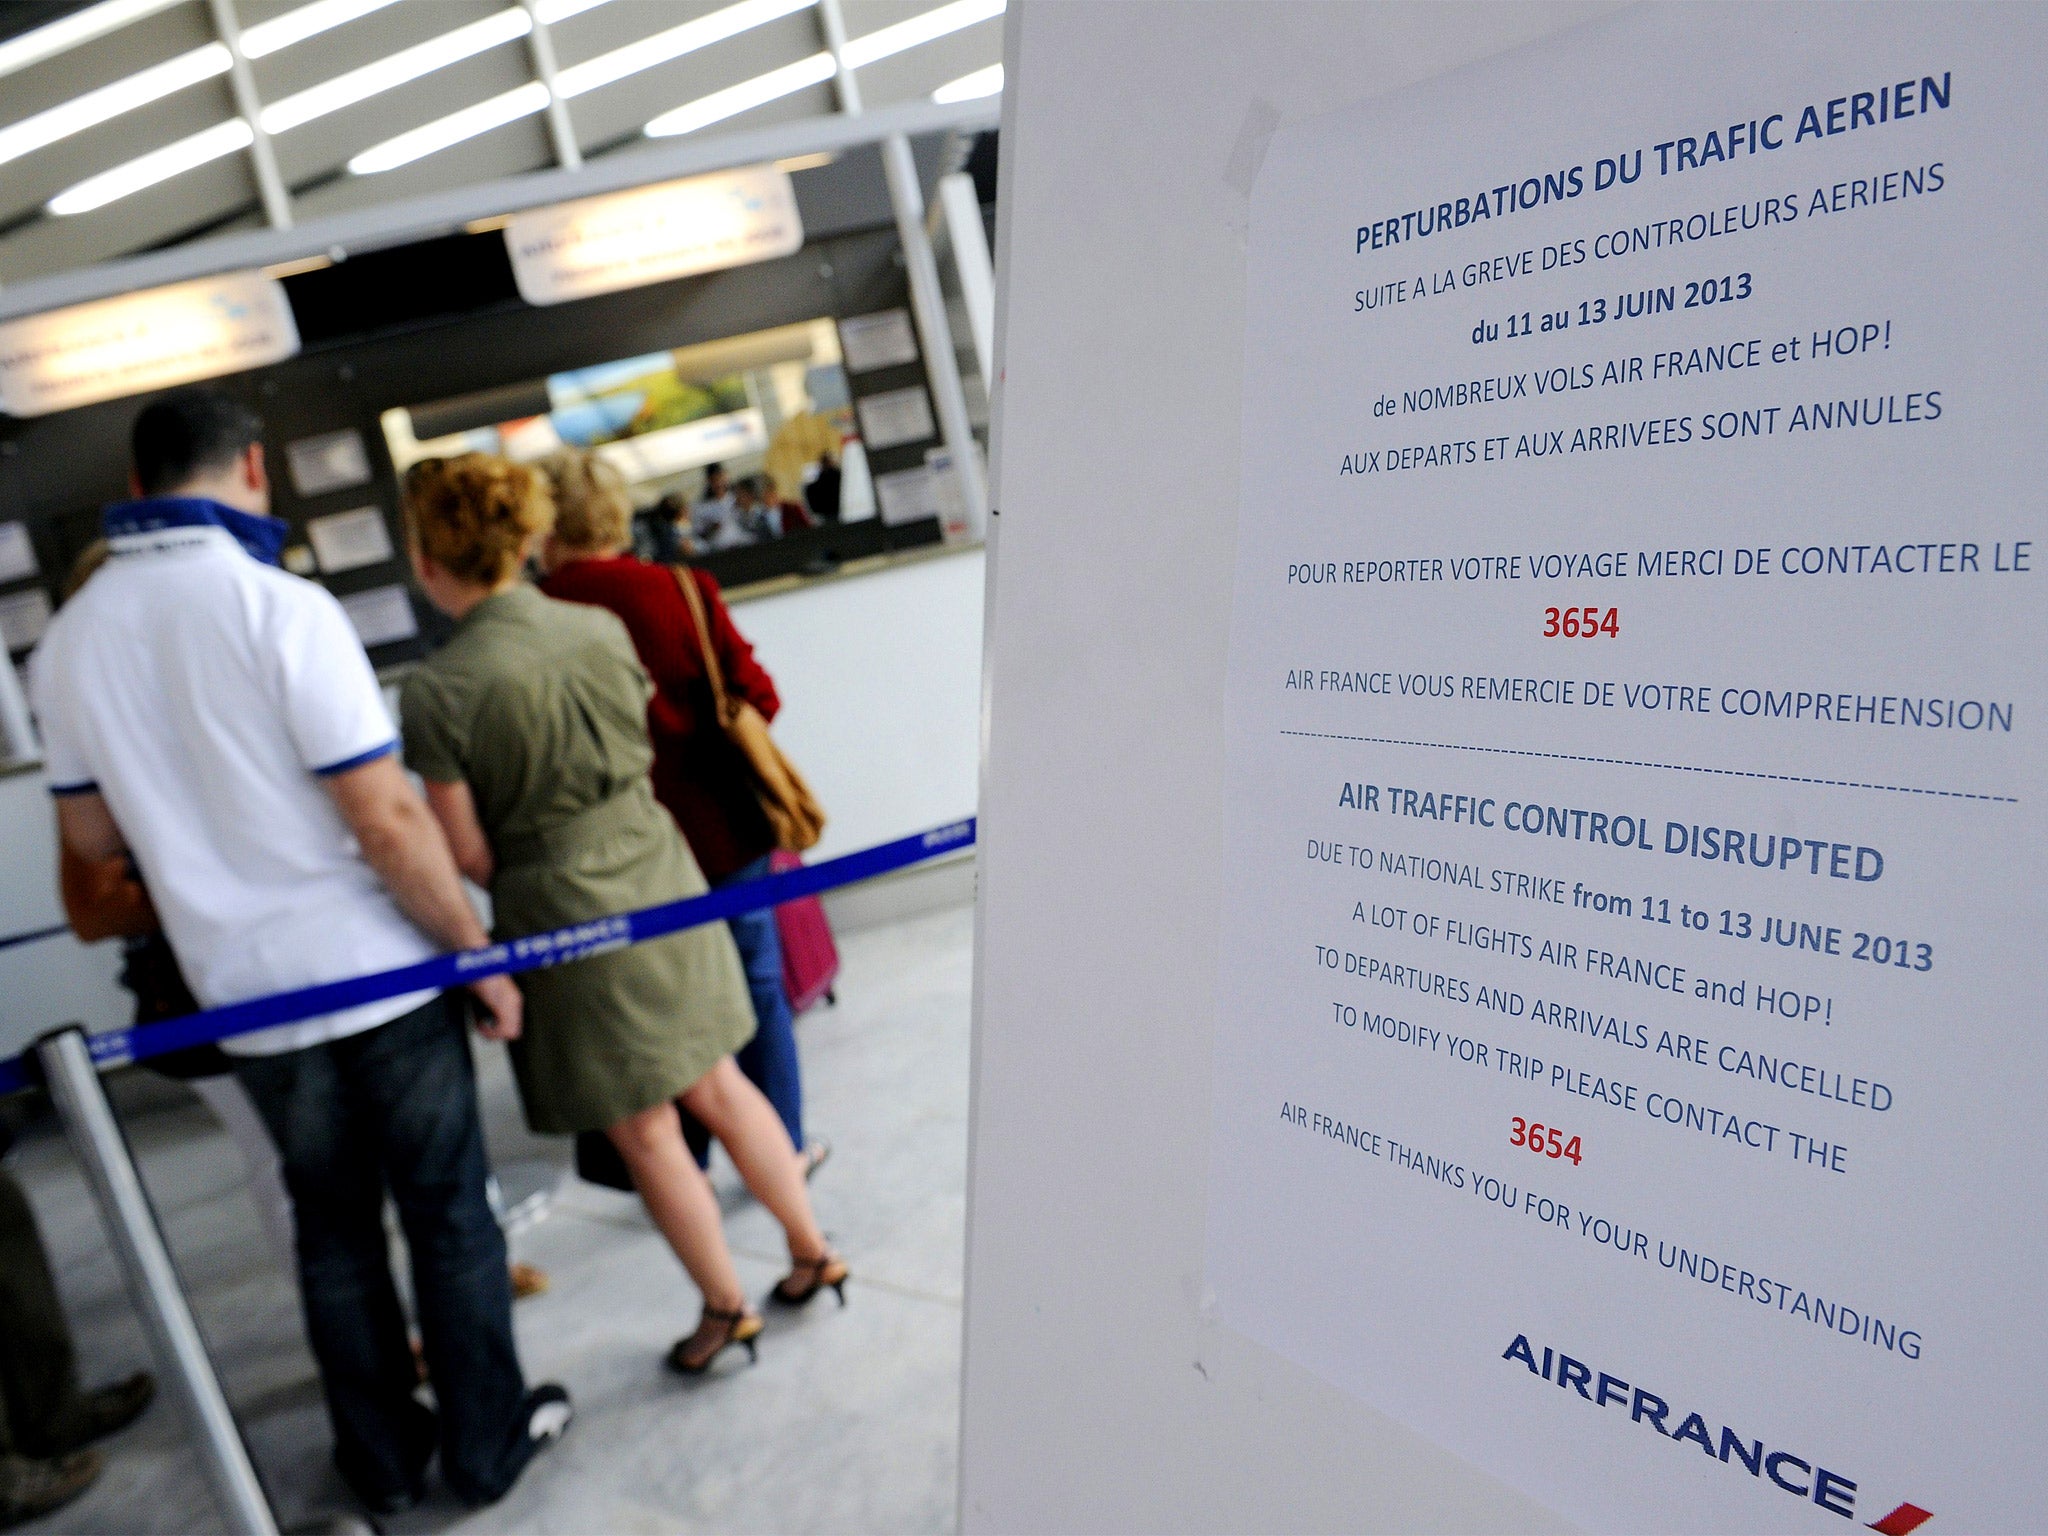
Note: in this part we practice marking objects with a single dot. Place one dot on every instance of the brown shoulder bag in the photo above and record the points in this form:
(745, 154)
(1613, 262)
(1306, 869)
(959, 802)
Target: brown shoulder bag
(793, 812)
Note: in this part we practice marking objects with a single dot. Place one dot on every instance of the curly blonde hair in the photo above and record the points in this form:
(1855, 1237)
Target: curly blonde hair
(475, 515)
(593, 513)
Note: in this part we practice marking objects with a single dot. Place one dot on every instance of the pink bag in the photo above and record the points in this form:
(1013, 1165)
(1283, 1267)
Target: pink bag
(810, 960)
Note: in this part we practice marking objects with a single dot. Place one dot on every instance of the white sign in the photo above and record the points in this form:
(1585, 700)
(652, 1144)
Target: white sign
(347, 541)
(1630, 1049)
(895, 417)
(17, 552)
(653, 234)
(908, 495)
(23, 618)
(381, 615)
(18, 742)
(951, 500)
(881, 340)
(333, 461)
(670, 450)
(143, 341)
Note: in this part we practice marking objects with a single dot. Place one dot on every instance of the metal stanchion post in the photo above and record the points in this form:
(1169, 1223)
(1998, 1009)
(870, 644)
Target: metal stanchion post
(96, 1137)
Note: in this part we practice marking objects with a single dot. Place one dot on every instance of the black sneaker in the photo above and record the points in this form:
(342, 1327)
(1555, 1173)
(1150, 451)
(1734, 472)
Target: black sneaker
(544, 1416)
(548, 1412)
(423, 1431)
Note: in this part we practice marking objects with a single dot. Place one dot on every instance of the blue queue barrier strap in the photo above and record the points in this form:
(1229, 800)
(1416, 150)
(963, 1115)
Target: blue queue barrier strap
(117, 1047)
(34, 937)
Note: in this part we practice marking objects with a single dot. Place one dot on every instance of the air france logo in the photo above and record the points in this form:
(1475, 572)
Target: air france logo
(1794, 1474)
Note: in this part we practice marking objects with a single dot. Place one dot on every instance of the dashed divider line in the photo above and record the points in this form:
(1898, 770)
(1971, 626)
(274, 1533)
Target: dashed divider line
(1625, 762)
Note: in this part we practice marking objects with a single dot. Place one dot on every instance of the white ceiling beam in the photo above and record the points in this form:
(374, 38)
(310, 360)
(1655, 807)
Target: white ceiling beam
(270, 187)
(438, 213)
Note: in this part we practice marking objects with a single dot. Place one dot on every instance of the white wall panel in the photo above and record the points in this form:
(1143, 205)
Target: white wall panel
(1099, 1394)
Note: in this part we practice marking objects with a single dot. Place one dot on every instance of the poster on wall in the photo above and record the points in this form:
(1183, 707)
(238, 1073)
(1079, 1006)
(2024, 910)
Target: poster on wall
(881, 340)
(1629, 1046)
(331, 461)
(17, 553)
(381, 615)
(348, 541)
(895, 417)
(24, 616)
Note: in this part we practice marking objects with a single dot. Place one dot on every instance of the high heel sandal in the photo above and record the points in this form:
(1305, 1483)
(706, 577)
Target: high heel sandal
(810, 1276)
(741, 1327)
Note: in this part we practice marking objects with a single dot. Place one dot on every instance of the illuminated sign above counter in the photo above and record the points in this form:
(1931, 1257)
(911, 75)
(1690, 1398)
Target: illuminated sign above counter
(653, 234)
(143, 341)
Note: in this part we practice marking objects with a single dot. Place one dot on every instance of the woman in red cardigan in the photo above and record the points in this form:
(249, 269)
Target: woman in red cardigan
(698, 773)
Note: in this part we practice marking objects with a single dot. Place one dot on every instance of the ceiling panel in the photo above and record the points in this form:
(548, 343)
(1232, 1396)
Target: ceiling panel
(504, 151)
(916, 72)
(865, 16)
(625, 106)
(28, 183)
(585, 36)
(103, 61)
(135, 223)
(313, 155)
(364, 41)
(327, 143)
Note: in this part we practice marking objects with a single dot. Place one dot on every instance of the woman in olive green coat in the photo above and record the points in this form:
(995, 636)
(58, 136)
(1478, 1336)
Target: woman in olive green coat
(529, 729)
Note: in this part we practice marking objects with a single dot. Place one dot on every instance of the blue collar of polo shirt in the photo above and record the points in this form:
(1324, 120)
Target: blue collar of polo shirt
(262, 538)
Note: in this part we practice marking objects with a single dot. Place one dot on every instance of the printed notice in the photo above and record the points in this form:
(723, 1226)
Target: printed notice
(880, 340)
(17, 553)
(895, 417)
(347, 541)
(1629, 1040)
(23, 618)
(908, 495)
(381, 615)
(333, 461)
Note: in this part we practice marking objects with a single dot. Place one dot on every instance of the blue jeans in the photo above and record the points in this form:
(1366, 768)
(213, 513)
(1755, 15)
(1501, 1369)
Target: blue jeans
(395, 1107)
(769, 1059)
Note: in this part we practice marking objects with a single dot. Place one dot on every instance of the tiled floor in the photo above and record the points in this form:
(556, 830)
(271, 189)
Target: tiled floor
(848, 1423)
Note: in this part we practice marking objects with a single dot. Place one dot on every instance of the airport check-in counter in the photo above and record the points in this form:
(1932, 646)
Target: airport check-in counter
(879, 667)
(870, 623)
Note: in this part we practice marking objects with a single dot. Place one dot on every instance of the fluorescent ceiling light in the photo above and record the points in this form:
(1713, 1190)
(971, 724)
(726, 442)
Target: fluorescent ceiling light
(735, 99)
(983, 82)
(452, 129)
(672, 44)
(158, 165)
(396, 69)
(280, 32)
(79, 27)
(95, 107)
(919, 29)
(807, 162)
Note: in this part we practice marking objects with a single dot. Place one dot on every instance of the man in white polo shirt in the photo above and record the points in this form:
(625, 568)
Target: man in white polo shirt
(217, 718)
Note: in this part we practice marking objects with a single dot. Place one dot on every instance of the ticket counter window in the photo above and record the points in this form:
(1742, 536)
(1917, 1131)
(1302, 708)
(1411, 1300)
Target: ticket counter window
(741, 454)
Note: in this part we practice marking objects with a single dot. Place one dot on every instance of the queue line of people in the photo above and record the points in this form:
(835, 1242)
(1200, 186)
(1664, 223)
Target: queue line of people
(214, 722)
